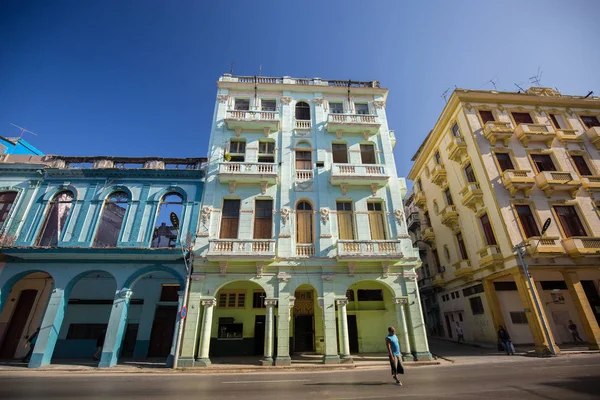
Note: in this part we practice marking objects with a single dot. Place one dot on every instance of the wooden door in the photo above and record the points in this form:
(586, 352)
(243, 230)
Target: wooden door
(163, 327)
(20, 315)
(353, 334)
(259, 335)
(448, 326)
(303, 333)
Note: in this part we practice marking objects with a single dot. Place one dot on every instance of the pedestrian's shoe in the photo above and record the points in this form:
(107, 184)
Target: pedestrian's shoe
(398, 383)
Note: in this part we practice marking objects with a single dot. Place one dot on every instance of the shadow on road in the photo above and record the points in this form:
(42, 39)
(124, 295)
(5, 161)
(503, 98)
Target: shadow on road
(350, 384)
(581, 384)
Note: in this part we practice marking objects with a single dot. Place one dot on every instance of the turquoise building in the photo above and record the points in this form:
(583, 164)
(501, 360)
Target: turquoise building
(89, 251)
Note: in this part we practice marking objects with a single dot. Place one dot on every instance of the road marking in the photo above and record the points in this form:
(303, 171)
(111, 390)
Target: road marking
(275, 381)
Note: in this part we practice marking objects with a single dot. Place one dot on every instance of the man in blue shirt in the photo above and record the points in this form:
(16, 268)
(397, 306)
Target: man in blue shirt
(391, 342)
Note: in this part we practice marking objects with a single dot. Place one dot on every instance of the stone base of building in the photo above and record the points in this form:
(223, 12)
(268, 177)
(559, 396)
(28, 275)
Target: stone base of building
(283, 361)
(331, 359)
(423, 356)
(346, 359)
(170, 361)
(408, 357)
(267, 361)
(185, 362)
(202, 362)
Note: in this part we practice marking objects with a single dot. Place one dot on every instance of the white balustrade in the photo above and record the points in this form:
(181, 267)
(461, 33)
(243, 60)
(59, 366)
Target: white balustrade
(247, 168)
(352, 118)
(304, 175)
(369, 247)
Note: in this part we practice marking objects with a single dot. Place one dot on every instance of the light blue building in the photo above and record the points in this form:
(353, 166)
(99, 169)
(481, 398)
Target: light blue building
(17, 146)
(89, 251)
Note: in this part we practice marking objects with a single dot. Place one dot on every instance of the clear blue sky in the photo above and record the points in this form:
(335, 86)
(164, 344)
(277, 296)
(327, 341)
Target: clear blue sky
(138, 77)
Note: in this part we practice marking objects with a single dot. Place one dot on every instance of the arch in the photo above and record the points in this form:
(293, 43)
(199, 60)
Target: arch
(386, 284)
(264, 287)
(164, 234)
(73, 281)
(158, 196)
(56, 218)
(49, 195)
(7, 286)
(103, 194)
(302, 111)
(112, 218)
(137, 275)
(303, 145)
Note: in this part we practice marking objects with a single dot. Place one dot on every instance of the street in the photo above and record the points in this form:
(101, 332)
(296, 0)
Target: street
(567, 377)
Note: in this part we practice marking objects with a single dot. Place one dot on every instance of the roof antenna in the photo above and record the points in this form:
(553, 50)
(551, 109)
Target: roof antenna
(587, 95)
(520, 88)
(260, 70)
(445, 95)
(493, 82)
(23, 130)
(537, 78)
(231, 68)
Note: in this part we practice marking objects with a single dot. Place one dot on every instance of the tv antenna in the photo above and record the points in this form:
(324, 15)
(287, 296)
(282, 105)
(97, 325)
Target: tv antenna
(23, 130)
(520, 88)
(260, 70)
(231, 68)
(445, 95)
(537, 78)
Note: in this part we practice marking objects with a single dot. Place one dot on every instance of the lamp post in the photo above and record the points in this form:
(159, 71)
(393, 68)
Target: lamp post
(520, 249)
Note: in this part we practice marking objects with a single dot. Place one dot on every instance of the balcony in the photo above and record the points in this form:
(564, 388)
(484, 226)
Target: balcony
(582, 246)
(358, 250)
(243, 172)
(494, 131)
(302, 124)
(490, 257)
(420, 200)
(365, 124)
(457, 149)
(515, 180)
(305, 250)
(535, 133)
(438, 175)
(438, 280)
(544, 247)
(240, 249)
(552, 181)
(472, 195)
(591, 183)
(566, 136)
(413, 220)
(593, 134)
(359, 175)
(252, 120)
(450, 217)
(463, 270)
(427, 234)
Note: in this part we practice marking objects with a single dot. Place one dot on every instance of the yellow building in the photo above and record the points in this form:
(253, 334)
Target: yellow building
(494, 169)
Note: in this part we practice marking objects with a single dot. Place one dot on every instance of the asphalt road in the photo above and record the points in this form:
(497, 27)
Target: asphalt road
(568, 377)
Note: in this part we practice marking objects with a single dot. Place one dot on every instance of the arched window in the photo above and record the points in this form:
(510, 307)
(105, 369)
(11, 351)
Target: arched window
(304, 223)
(302, 111)
(165, 234)
(7, 200)
(111, 220)
(56, 218)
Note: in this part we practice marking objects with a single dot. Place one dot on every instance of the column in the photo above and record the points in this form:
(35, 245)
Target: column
(190, 330)
(533, 317)
(203, 358)
(51, 323)
(343, 325)
(116, 329)
(284, 314)
(329, 329)
(403, 329)
(584, 310)
(492, 299)
(268, 356)
(415, 321)
(178, 321)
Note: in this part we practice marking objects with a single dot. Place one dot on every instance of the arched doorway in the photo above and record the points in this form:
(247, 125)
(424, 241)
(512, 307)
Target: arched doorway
(239, 320)
(21, 311)
(308, 321)
(370, 312)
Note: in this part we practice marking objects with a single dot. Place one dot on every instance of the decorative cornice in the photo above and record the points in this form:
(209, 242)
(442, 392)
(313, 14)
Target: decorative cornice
(209, 303)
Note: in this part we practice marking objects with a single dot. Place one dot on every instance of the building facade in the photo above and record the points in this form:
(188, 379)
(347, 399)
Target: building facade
(302, 242)
(493, 170)
(89, 250)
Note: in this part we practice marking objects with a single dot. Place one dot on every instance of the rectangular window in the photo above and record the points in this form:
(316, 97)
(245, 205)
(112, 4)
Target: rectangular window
(237, 150)
(419, 185)
(263, 219)
(242, 104)
(569, 220)
(7, 200)
(436, 260)
(543, 162)
(470, 174)
(527, 220)
(258, 299)
(455, 130)
(557, 121)
(169, 293)
(231, 299)
(340, 153)
(448, 197)
(589, 121)
(486, 116)
(504, 161)
(266, 151)
(370, 295)
(427, 219)
(476, 305)
(228, 329)
(581, 165)
(461, 246)
(350, 294)
(230, 219)
(470, 291)
(336, 108)
(367, 154)
(361, 108)
(345, 220)
(303, 160)
(522, 118)
(376, 221)
(488, 232)
(85, 331)
(437, 158)
(268, 105)
(518, 317)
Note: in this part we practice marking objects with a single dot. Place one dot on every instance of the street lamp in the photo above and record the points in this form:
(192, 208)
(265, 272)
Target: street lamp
(520, 249)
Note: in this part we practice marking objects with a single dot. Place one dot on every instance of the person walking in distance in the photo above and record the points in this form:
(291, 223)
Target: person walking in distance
(31, 340)
(459, 333)
(393, 347)
(574, 332)
(504, 338)
(99, 345)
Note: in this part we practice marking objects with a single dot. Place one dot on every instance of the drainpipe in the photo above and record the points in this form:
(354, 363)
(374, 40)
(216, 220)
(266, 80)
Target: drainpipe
(188, 270)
